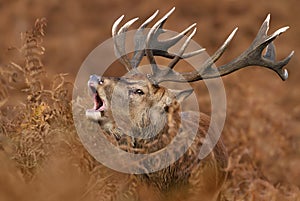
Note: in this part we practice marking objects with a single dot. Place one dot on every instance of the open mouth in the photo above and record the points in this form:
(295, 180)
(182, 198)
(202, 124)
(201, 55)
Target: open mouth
(99, 104)
(97, 112)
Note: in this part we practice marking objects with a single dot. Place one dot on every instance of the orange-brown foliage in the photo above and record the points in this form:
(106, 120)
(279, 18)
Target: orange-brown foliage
(41, 157)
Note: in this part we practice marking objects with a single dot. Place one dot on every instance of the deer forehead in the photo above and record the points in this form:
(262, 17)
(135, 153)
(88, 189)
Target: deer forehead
(135, 81)
(153, 93)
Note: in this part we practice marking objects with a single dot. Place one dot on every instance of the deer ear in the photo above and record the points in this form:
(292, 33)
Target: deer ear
(180, 95)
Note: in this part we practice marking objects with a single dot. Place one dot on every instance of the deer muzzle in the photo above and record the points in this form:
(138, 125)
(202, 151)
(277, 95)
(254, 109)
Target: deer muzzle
(99, 105)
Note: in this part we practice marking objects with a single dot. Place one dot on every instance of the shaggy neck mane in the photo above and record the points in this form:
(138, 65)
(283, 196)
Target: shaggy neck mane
(139, 145)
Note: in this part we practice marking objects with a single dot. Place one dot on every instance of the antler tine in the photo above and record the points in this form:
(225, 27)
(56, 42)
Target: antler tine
(148, 45)
(166, 44)
(177, 77)
(182, 49)
(154, 47)
(125, 27)
(119, 41)
(153, 33)
(139, 40)
(160, 48)
(251, 57)
(191, 54)
(156, 78)
(220, 51)
(147, 21)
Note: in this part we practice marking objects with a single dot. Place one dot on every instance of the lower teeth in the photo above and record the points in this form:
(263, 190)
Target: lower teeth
(93, 115)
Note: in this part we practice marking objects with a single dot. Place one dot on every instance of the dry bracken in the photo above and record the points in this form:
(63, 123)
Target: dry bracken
(39, 147)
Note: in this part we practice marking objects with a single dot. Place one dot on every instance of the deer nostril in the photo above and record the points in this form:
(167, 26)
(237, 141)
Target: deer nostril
(95, 79)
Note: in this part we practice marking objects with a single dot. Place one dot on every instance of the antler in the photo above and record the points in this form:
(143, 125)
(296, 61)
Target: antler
(150, 46)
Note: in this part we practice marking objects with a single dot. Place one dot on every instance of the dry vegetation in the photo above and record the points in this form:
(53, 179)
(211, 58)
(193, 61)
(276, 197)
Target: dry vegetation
(41, 157)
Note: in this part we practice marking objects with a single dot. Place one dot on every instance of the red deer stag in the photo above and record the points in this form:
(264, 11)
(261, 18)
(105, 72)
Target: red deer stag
(155, 113)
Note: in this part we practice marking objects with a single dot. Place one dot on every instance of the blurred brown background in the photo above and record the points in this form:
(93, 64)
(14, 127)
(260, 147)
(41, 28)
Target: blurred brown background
(263, 112)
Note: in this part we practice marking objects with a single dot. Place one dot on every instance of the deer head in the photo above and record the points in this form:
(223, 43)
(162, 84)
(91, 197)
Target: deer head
(147, 102)
(133, 102)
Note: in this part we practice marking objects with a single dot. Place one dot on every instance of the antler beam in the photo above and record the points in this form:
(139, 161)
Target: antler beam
(251, 57)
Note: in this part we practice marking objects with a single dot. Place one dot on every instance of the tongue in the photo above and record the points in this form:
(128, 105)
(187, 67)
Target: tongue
(97, 101)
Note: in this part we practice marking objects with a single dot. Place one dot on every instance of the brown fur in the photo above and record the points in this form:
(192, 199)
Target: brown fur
(204, 177)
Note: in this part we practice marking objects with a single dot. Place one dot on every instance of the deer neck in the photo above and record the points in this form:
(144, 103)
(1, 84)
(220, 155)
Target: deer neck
(149, 139)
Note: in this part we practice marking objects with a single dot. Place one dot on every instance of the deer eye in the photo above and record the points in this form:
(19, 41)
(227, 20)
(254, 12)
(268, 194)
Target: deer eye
(139, 92)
